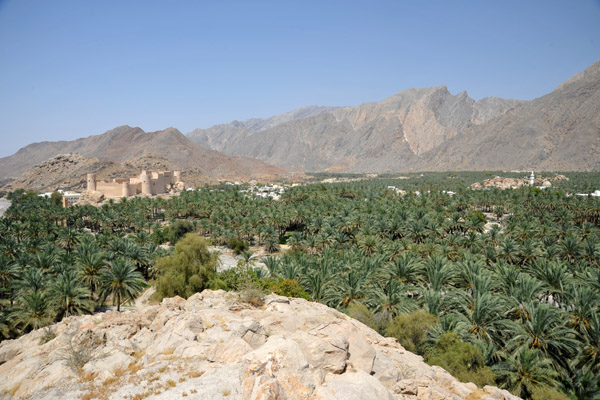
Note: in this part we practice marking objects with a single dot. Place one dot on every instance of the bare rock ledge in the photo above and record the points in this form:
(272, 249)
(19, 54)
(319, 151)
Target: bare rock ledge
(212, 347)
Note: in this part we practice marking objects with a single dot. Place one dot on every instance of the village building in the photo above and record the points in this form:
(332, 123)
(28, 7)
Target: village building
(68, 197)
(148, 183)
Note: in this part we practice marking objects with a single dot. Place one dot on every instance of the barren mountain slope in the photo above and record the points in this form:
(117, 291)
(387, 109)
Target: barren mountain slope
(214, 347)
(214, 135)
(387, 136)
(559, 131)
(69, 171)
(126, 143)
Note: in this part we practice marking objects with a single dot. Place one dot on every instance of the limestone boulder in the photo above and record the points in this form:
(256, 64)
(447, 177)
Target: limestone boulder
(328, 354)
(91, 197)
(278, 367)
(352, 386)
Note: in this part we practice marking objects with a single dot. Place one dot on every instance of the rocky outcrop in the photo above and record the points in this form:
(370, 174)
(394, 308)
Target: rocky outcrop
(211, 347)
(91, 197)
(126, 144)
(511, 183)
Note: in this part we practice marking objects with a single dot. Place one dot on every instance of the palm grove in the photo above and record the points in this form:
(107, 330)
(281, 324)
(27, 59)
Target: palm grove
(498, 287)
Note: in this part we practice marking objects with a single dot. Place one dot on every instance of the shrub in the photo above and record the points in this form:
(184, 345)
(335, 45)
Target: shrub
(251, 293)
(361, 313)
(187, 271)
(286, 287)
(411, 329)
(56, 198)
(180, 228)
(160, 236)
(237, 245)
(48, 335)
(547, 393)
(76, 356)
(461, 359)
(234, 278)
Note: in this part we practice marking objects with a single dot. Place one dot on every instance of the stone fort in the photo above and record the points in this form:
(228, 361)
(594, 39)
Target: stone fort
(147, 182)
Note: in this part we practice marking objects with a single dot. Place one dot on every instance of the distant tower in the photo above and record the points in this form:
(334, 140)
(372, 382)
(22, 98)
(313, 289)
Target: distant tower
(177, 176)
(146, 185)
(531, 179)
(91, 181)
(126, 190)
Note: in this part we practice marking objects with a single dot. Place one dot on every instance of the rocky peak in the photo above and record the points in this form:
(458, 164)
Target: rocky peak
(213, 346)
(591, 73)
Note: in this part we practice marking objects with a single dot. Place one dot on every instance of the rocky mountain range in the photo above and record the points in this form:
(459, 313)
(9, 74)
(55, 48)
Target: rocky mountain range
(430, 129)
(416, 129)
(559, 131)
(212, 346)
(129, 145)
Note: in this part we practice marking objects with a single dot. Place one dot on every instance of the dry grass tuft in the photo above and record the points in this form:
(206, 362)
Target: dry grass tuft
(195, 374)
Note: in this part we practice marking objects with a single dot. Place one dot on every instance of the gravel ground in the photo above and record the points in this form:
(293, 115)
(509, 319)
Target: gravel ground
(4, 204)
(228, 259)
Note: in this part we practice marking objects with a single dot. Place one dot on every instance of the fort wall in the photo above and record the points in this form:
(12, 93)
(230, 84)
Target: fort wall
(150, 183)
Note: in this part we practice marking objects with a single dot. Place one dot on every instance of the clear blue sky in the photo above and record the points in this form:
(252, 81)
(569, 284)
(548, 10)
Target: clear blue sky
(70, 69)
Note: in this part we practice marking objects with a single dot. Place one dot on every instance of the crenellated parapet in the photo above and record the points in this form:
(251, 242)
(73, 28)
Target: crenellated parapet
(147, 183)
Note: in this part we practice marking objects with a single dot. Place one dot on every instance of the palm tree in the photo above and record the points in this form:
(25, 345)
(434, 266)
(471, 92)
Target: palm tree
(31, 280)
(350, 286)
(438, 272)
(69, 296)
(406, 268)
(589, 353)
(582, 302)
(509, 250)
(273, 264)
(555, 276)
(545, 330)
(8, 273)
(90, 262)
(122, 281)
(583, 384)
(32, 311)
(483, 315)
(392, 299)
(570, 249)
(524, 371)
(520, 293)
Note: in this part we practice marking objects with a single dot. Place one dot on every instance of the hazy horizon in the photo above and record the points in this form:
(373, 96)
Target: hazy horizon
(71, 69)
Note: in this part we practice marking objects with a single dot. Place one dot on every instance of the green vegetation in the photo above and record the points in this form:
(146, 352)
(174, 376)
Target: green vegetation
(411, 330)
(461, 359)
(496, 286)
(187, 271)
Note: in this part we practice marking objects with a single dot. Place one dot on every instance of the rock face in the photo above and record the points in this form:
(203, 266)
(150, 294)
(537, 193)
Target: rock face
(212, 347)
(559, 131)
(390, 135)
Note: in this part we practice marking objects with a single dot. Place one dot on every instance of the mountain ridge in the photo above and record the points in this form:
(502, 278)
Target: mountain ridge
(364, 138)
(412, 130)
(557, 131)
(432, 129)
(125, 143)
